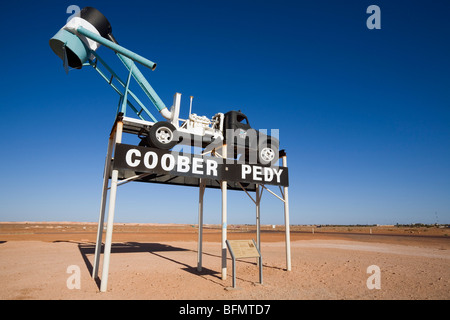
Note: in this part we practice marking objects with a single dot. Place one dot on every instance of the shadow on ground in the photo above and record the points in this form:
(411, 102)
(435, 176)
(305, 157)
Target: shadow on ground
(88, 250)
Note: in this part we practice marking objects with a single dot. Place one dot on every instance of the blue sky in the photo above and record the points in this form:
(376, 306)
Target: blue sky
(363, 114)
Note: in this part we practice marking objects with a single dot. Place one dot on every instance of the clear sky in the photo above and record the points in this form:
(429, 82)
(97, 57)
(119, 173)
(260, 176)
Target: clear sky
(363, 114)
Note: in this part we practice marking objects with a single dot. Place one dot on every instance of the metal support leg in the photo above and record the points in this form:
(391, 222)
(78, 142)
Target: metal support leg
(224, 220)
(111, 209)
(200, 225)
(258, 217)
(286, 222)
(101, 219)
(234, 274)
(258, 220)
(260, 269)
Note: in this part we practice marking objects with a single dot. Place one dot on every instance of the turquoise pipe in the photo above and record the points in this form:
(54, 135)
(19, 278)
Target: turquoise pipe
(143, 83)
(111, 71)
(107, 43)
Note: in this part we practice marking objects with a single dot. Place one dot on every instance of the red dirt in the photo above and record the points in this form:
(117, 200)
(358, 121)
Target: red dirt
(159, 262)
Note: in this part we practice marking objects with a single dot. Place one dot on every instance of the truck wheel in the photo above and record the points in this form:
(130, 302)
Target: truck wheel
(162, 135)
(267, 153)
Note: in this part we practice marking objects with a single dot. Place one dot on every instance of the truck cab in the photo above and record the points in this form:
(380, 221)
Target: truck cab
(236, 120)
(246, 143)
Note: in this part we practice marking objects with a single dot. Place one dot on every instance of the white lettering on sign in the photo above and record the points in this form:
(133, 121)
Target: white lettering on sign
(197, 166)
(246, 169)
(140, 159)
(278, 174)
(211, 168)
(169, 162)
(129, 158)
(260, 173)
(164, 165)
(154, 158)
(257, 172)
(268, 174)
(183, 164)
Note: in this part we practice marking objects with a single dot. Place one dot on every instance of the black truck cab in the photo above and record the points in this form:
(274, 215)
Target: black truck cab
(245, 140)
(236, 120)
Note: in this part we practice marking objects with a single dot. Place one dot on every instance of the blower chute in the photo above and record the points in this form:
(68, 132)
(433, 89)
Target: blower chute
(76, 50)
(77, 43)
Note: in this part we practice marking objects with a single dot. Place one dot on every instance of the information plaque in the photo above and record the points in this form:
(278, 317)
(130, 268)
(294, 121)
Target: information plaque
(243, 249)
(240, 249)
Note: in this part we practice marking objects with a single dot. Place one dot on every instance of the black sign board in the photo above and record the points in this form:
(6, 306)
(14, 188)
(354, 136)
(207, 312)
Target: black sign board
(151, 160)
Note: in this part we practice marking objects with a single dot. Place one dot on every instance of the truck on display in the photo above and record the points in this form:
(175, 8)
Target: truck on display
(232, 128)
(76, 44)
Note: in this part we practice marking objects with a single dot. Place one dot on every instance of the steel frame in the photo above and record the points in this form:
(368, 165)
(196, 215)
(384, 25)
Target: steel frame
(113, 175)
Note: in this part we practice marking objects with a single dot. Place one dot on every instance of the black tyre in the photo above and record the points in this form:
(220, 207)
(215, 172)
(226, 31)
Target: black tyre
(162, 135)
(268, 153)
